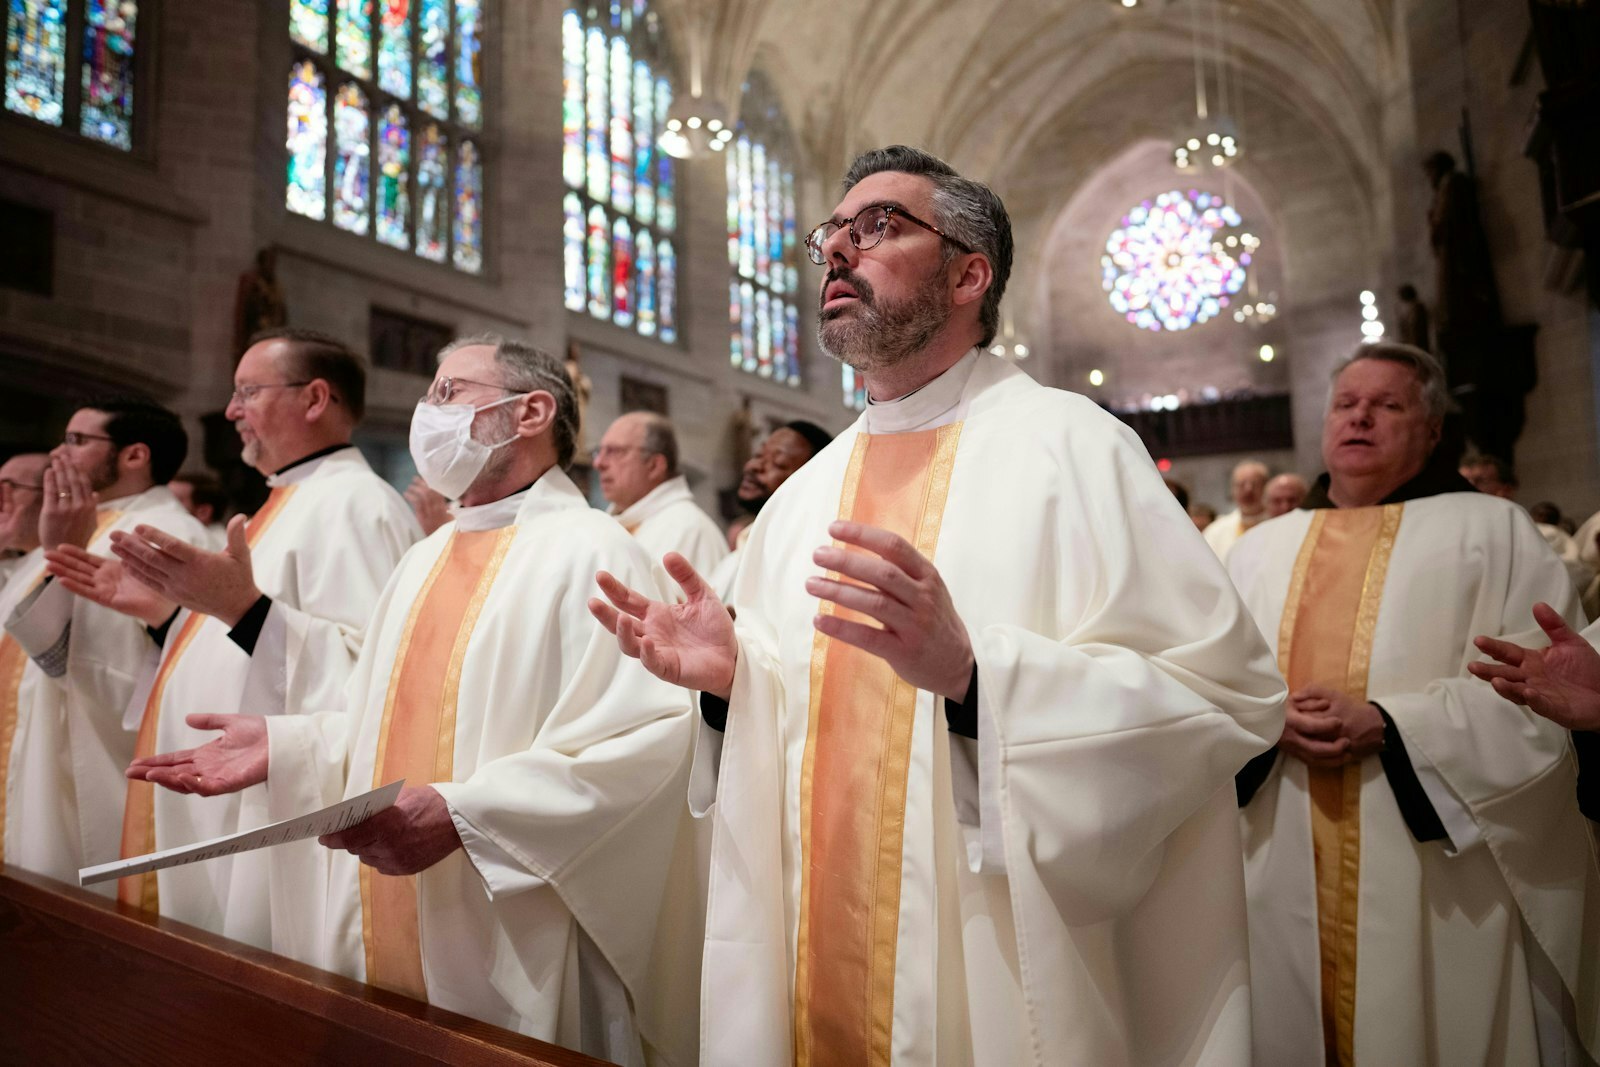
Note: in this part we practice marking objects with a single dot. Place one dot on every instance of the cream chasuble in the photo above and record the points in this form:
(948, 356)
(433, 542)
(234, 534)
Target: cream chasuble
(24, 576)
(1368, 946)
(562, 761)
(1061, 890)
(1224, 532)
(321, 547)
(85, 662)
(666, 519)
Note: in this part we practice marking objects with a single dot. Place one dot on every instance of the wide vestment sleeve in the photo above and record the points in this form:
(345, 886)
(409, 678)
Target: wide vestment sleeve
(1513, 770)
(591, 807)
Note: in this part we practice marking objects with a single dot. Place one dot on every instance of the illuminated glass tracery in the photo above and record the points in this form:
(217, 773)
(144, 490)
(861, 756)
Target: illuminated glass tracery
(1166, 267)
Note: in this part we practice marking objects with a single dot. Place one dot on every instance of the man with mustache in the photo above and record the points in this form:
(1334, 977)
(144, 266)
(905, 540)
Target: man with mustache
(1425, 824)
(967, 753)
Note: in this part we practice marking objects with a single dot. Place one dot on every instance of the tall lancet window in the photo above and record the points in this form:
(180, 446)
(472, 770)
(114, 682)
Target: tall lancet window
(75, 65)
(620, 206)
(763, 249)
(386, 114)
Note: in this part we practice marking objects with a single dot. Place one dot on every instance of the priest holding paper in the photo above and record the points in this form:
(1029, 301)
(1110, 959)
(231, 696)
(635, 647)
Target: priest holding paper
(518, 877)
(969, 752)
(1418, 872)
(71, 744)
(271, 623)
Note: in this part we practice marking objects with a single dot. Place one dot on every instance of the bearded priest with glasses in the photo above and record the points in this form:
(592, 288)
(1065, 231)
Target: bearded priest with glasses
(968, 754)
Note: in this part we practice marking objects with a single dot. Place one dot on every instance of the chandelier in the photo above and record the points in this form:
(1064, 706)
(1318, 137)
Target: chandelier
(695, 125)
(1214, 140)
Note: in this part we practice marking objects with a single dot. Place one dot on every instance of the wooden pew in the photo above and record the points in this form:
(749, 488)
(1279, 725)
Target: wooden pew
(86, 980)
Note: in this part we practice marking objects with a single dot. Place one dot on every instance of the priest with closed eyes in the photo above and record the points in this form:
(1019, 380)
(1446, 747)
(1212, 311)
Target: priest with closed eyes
(519, 877)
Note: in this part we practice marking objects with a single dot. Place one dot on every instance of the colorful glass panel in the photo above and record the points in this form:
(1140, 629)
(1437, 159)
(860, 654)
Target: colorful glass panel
(764, 333)
(36, 58)
(667, 290)
(780, 362)
(598, 171)
(644, 186)
(308, 23)
(108, 54)
(468, 251)
(469, 63)
(790, 234)
(572, 251)
(855, 388)
(1166, 267)
(777, 278)
(758, 212)
(747, 324)
(762, 247)
(353, 36)
(666, 189)
(599, 249)
(622, 273)
(791, 342)
(394, 48)
(646, 291)
(305, 192)
(736, 353)
(621, 126)
(747, 210)
(350, 163)
(433, 69)
(394, 178)
(572, 99)
(433, 205)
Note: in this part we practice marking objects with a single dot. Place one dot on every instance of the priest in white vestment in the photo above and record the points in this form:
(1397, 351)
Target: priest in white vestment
(522, 886)
(271, 623)
(21, 500)
(1418, 873)
(968, 749)
(65, 779)
(1497, 477)
(637, 462)
(1248, 487)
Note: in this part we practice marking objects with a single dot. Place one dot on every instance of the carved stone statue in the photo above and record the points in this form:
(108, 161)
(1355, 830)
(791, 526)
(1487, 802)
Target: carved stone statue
(583, 388)
(258, 303)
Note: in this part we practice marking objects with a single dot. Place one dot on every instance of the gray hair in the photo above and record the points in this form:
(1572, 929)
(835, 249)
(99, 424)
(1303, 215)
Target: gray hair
(966, 210)
(660, 439)
(526, 369)
(1430, 375)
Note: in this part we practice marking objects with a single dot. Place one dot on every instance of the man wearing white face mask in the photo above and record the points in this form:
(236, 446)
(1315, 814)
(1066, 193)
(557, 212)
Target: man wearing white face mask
(271, 624)
(521, 886)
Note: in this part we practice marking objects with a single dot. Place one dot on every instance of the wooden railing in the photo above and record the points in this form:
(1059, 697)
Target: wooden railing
(86, 980)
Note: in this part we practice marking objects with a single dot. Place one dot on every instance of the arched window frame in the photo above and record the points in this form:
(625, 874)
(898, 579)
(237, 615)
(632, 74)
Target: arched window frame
(763, 244)
(114, 113)
(424, 68)
(620, 194)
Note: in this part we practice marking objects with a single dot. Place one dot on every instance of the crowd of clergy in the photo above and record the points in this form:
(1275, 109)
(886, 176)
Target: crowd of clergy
(971, 749)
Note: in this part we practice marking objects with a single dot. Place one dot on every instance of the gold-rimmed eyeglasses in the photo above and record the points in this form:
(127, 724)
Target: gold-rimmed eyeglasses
(444, 390)
(247, 393)
(867, 227)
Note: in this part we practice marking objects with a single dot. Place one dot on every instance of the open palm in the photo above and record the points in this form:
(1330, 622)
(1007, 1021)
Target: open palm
(689, 644)
(108, 583)
(1561, 682)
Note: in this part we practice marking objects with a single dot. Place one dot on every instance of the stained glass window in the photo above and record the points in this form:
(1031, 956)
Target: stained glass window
(854, 386)
(394, 179)
(39, 63)
(400, 85)
(762, 249)
(619, 207)
(307, 141)
(1168, 266)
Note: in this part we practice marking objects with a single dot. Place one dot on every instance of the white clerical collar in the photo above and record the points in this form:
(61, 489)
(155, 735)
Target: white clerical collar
(938, 403)
(552, 490)
(490, 516)
(668, 492)
(298, 472)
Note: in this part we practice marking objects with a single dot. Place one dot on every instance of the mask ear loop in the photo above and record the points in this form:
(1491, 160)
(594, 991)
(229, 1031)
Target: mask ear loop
(497, 403)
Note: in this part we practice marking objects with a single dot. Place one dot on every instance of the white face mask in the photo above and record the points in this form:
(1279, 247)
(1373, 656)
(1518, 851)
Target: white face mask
(442, 446)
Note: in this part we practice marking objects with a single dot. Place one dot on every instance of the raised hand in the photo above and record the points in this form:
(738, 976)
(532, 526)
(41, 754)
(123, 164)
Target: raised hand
(1561, 682)
(919, 632)
(411, 836)
(431, 509)
(230, 763)
(220, 584)
(689, 644)
(107, 582)
(67, 513)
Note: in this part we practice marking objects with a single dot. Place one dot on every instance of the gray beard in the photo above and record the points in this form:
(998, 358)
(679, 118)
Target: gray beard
(251, 454)
(874, 335)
